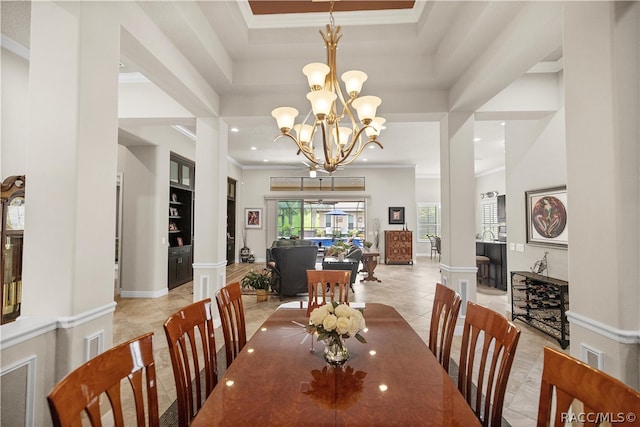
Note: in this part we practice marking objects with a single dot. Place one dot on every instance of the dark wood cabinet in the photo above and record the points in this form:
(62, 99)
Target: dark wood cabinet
(542, 302)
(12, 244)
(398, 247)
(180, 266)
(181, 198)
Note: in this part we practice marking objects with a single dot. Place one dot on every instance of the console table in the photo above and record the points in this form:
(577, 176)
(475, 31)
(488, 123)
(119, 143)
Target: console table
(370, 261)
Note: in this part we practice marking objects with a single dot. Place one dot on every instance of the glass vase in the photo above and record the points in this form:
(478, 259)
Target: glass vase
(335, 352)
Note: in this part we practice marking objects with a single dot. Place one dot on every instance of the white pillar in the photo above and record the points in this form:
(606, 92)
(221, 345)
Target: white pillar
(71, 168)
(602, 89)
(209, 266)
(458, 205)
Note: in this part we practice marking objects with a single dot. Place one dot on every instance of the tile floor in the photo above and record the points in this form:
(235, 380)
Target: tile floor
(409, 289)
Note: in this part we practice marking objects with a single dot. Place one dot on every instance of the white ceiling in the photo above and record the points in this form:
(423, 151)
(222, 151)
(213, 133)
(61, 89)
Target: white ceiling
(439, 55)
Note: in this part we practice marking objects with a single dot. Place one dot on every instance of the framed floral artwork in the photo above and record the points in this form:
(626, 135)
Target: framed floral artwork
(253, 218)
(547, 217)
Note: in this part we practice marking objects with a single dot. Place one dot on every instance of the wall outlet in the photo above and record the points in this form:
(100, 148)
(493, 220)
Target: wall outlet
(520, 247)
(512, 246)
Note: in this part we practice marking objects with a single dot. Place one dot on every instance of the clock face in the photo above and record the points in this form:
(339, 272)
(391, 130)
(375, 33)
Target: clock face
(15, 214)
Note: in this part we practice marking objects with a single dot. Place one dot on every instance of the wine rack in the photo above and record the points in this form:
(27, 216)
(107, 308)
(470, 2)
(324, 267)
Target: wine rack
(542, 302)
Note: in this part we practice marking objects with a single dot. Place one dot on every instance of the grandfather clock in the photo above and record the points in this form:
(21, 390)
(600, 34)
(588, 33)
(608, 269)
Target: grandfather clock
(12, 239)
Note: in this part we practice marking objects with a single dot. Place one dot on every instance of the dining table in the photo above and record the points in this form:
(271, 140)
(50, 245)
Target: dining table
(280, 378)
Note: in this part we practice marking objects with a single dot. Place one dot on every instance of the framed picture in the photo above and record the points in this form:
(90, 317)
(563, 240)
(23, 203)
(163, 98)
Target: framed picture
(547, 217)
(253, 218)
(396, 215)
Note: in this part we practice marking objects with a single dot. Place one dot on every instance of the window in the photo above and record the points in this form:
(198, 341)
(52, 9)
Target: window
(489, 219)
(290, 217)
(428, 220)
(315, 219)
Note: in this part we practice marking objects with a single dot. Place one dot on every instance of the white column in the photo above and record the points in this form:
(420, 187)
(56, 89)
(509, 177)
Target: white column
(458, 205)
(602, 89)
(209, 266)
(71, 168)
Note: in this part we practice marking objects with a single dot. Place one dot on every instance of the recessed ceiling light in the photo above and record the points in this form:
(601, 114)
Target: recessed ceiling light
(372, 146)
(502, 123)
(265, 160)
(477, 139)
(364, 160)
(254, 148)
(234, 129)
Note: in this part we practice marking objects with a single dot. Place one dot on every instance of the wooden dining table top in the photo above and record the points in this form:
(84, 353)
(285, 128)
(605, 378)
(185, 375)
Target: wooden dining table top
(391, 380)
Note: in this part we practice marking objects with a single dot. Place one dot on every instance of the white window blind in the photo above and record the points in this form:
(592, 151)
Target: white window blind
(428, 220)
(489, 219)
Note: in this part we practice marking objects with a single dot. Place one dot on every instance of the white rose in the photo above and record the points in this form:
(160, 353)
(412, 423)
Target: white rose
(343, 325)
(358, 319)
(318, 314)
(329, 322)
(353, 329)
(343, 310)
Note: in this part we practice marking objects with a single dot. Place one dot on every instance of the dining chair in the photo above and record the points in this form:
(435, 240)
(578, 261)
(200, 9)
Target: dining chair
(229, 299)
(573, 380)
(322, 281)
(491, 337)
(79, 395)
(444, 314)
(434, 247)
(192, 348)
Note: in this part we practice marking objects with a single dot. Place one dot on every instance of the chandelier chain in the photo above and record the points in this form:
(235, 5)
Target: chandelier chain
(331, 20)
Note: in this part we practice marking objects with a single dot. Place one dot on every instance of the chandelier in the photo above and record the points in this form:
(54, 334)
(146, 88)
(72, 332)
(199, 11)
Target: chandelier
(332, 115)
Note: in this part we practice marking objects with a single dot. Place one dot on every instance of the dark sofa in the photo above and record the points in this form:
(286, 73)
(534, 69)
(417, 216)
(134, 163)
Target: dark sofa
(289, 264)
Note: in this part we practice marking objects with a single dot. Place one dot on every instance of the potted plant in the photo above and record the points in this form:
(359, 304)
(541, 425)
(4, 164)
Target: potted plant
(339, 249)
(260, 281)
(367, 244)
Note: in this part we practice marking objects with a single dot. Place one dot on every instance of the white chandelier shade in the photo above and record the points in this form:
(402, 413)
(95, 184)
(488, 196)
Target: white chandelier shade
(340, 137)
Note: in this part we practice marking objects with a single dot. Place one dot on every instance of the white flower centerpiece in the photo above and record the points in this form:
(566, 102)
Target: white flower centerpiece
(334, 323)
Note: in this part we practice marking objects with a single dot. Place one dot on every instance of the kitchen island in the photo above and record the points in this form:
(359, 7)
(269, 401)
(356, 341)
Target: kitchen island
(496, 251)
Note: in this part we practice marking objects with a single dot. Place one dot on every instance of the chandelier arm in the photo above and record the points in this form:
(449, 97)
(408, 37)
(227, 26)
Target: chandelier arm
(346, 161)
(353, 144)
(327, 155)
(301, 148)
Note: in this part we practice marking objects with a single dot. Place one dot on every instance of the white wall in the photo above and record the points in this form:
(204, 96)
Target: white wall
(536, 158)
(145, 170)
(15, 82)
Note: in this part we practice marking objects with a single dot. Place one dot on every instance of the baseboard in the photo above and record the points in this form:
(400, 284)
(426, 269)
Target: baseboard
(144, 294)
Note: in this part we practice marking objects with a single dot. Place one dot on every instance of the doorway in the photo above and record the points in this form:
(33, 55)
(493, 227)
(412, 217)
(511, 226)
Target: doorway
(118, 246)
(231, 220)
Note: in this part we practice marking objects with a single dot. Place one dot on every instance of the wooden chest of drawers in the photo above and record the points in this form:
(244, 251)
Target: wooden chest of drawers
(398, 247)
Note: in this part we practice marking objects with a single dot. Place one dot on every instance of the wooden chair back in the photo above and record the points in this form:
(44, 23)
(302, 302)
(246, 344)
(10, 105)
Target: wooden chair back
(494, 339)
(192, 347)
(322, 281)
(600, 394)
(83, 390)
(231, 309)
(446, 306)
